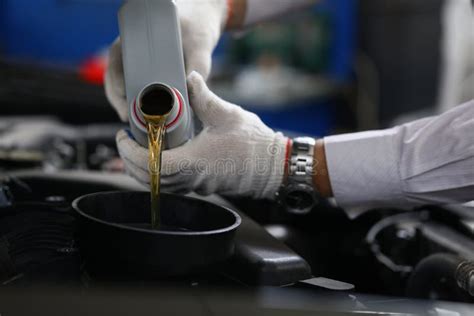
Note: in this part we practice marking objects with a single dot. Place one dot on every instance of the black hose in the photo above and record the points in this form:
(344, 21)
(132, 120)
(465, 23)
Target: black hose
(465, 276)
(435, 278)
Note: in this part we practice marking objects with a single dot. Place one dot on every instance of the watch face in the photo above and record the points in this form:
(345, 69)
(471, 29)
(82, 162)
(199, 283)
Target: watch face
(299, 200)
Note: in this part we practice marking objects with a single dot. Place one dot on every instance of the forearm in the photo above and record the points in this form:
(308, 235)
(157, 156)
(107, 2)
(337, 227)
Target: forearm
(424, 162)
(243, 13)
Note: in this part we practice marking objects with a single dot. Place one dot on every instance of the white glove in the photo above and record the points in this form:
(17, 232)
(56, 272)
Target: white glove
(202, 23)
(235, 154)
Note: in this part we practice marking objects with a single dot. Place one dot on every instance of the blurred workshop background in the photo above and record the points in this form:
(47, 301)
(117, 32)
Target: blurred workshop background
(346, 65)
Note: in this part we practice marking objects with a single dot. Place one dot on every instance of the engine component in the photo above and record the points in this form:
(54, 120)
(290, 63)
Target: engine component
(376, 248)
(442, 276)
(465, 276)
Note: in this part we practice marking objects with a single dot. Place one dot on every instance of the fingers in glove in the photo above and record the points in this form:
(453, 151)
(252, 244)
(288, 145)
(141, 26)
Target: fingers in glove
(176, 183)
(173, 161)
(172, 183)
(198, 60)
(131, 150)
(175, 188)
(137, 173)
(209, 108)
(176, 180)
(177, 161)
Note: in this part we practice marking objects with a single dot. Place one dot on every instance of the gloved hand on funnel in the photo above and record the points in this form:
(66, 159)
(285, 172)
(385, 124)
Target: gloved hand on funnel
(235, 154)
(202, 23)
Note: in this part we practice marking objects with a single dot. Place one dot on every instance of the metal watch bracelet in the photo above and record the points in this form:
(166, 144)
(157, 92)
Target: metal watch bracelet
(298, 194)
(300, 169)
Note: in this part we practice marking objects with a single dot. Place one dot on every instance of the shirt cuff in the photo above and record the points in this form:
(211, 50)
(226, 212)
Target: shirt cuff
(364, 168)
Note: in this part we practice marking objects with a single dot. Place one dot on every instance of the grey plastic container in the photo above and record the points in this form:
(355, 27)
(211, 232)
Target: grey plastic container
(153, 56)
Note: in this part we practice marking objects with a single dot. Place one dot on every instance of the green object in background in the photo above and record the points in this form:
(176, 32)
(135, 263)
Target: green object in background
(303, 44)
(270, 38)
(312, 44)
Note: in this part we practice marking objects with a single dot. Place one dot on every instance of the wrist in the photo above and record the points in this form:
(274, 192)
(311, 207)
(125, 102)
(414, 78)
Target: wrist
(236, 11)
(321, 180)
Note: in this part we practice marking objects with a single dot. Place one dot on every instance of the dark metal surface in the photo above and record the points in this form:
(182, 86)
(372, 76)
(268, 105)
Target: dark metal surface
(206, 302)
(261, 259)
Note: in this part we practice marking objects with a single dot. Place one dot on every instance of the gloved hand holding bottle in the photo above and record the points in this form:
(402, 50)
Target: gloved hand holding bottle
(425, 161)
(235, 154)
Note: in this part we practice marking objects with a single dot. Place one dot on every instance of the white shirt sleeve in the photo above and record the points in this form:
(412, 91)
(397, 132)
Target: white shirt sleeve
(261, 10)
(426, 161)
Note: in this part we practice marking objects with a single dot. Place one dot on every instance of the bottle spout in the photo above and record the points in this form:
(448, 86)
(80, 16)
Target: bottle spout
(157, 100)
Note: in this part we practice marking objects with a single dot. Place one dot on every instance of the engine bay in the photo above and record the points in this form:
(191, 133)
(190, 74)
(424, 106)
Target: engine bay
(420, 253)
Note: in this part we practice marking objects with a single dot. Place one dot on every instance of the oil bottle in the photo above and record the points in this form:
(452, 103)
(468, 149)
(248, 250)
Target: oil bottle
(153, 55)
(155, 83)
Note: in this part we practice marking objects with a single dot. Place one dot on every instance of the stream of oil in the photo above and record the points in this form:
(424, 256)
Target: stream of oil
(156, 130)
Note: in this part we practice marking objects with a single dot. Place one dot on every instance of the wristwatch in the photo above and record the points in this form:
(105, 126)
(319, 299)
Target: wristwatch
(298, 194)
